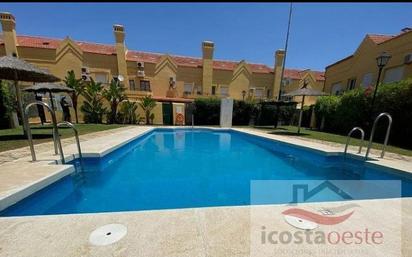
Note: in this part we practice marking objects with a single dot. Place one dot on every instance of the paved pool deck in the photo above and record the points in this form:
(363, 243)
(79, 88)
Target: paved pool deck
(221, 231)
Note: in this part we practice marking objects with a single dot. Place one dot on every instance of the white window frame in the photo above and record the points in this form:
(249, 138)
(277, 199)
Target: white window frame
(223, 88)
(337, 92)
(261, 90)
(188, 88)
(391, 75)
(97, 74)
(367, 80)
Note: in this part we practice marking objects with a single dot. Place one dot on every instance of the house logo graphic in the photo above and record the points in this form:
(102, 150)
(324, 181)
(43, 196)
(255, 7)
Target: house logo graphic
(308, 220)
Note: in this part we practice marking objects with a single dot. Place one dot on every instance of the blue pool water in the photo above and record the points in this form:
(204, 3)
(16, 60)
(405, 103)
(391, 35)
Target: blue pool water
(189, 168)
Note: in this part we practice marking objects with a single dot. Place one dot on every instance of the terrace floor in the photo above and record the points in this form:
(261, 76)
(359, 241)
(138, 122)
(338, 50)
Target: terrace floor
(222, 231)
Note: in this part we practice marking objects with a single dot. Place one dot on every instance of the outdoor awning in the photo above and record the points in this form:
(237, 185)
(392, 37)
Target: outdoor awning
(48, 87)
(13, 68)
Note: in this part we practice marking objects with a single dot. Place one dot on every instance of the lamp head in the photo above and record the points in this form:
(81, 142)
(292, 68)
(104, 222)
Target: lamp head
(383, 59)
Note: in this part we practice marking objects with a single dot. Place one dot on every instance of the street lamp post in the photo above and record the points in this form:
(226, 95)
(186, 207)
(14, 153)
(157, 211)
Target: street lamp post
(381, 61)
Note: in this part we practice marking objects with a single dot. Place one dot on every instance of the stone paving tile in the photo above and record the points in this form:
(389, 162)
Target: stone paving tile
(351, 149)
(16, 154)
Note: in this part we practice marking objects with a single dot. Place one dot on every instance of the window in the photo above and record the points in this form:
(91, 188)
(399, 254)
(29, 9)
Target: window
(259, 92)
(199, 90)
(367, 80)
(268, 93)
(337, 89)
(213, 90)
(224, 90)
(144, 85)
(393, 74)
(187, 89)
(101, 77)
(351, 84)
(132, 85)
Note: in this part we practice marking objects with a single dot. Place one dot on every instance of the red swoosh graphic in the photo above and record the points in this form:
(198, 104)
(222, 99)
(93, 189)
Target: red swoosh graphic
(314, 217)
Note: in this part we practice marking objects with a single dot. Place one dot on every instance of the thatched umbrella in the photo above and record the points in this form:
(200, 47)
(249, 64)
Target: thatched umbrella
(49, 88)
(304, 91)
(15, 69)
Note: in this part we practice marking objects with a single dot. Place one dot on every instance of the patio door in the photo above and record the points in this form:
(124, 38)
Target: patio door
(167, 110)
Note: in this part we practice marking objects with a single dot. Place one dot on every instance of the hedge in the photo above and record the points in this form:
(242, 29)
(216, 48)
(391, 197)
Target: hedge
(207, 112)
(341, 113)
(7, 104)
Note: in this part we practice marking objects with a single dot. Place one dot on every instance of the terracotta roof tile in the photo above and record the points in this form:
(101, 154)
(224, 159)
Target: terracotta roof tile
(377, 39)
(52, 43)
(298, 74)
(138, 56)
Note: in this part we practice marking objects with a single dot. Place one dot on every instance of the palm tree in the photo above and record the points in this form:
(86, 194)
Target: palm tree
(128, 112)
(114, 94)
(78, 86)
(147, 103)
(93, 105)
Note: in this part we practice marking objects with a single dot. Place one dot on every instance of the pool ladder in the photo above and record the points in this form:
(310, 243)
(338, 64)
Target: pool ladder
(388, 130)
(349, 136)
(56, 137)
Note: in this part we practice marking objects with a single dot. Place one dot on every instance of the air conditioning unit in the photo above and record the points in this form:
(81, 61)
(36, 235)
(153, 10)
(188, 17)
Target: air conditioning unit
(140, 73)
(408, 59)
(85, 70)
(140, 65)
(85, 74)
(86, 77)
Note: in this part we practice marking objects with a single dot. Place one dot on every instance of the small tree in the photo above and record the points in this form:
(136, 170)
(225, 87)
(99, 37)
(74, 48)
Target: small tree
(8, 104)
(78, 86)
(127, 113)
(93, 105)
(114, 94)
(148, 104)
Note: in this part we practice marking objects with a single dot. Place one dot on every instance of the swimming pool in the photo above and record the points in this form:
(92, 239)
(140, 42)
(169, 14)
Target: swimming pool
(184, 168)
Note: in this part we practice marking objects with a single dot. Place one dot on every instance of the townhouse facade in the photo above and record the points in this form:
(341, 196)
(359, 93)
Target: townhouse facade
(172, 80)
(360, 69)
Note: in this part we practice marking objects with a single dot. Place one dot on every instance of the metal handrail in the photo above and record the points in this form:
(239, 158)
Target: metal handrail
(56, 137)
(193, 120)
(76, 135)
(388, 131)
(348, 138)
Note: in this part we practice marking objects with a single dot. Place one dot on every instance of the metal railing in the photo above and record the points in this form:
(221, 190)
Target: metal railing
(76, 135)
(56, 136)
(193, 120)
(349, 136)
(388, 131)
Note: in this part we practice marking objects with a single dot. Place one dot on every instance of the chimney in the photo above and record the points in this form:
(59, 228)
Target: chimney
(8, 24)
(279, 59)
(121, 51)
(207, 75)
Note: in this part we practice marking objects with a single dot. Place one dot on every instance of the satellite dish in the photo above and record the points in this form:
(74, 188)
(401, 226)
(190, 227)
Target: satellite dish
(120, 78)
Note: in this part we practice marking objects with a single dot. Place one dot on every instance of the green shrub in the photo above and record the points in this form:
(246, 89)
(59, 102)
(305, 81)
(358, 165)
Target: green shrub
(286, 114)
(207, 111)
(92, 107)
(243, 112)
(7, 104)
(342, 113)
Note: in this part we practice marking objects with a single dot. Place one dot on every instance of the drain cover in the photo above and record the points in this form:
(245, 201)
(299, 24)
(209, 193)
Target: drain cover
(107, 234)
(300, 223)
